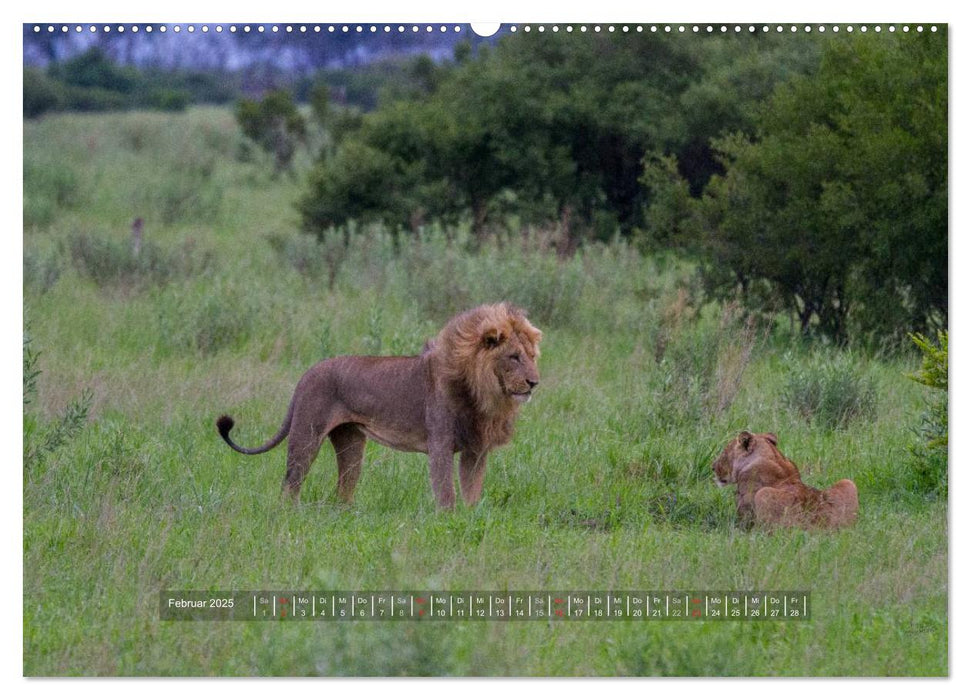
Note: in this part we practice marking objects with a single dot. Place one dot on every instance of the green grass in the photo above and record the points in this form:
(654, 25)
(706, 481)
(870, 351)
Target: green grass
(606, 484)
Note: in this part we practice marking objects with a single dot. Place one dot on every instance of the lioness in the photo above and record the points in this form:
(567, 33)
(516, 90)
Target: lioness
(461, 394)
(769, 490)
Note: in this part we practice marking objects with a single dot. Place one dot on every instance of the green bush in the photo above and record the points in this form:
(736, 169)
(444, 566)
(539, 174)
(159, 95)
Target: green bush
(275, 124)
(357, 183)
(169, 100)
(49, 187)
(930, 452)
(314, 258)
(41, 438)
(188, 193)
(107, 262)
(831, 393)
(41, 93)
(702, 361)
(216, 317)
(41, 272)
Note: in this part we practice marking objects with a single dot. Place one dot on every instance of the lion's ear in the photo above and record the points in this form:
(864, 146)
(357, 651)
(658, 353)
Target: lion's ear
(493, 337)
(745, 439)
(771, 437)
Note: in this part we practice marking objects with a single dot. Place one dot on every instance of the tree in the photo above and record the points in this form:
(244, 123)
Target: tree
(836, 207)
(275, 124)
(549, 128)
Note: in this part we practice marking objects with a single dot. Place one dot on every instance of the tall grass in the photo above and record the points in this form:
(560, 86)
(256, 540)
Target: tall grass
(606, 485)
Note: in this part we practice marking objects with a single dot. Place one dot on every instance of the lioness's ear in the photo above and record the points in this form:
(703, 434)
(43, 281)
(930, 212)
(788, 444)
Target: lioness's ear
(745, 439)
(771, 437)
(493, 337)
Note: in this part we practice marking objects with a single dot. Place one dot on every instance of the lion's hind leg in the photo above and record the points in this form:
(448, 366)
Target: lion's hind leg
(774, 506)
(348, 441)
(844, 503)
(302, 448)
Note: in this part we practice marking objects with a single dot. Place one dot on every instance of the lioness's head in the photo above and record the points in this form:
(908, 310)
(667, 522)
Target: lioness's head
(492, 351)
(739, 453)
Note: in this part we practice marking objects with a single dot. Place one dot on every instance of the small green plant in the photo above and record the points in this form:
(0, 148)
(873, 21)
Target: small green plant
(42, 439)
(930, 452)
(831, 393)
(933, 370)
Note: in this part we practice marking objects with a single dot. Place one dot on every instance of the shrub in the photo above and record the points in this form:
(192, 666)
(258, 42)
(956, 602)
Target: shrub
(107, 262)
(314, 258)
(275, 124)
(831, 393)
(702, 361)
(41, 273)
(445, 276)
(41, 94)
(930, 452)
(169, 100)
(43, 439)
(188, 192)
(49, 187)
(206, 321)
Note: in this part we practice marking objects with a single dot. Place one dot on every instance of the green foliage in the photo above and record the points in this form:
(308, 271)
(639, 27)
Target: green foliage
(41, 93)
(169, 100)
(444, 276)
(274, 124)
(831, 393)
(929, 454)
(42, 271)
(206, 317)
(358, 183)
(93, 69)
(554, 130)
(933, 371)
(50, 186)
(314, 258)
(113, 263)
(543, 130)
(92, 82)
(320, 104)
(190, 194)
(31, 372)
(42, 439)
(836, 210)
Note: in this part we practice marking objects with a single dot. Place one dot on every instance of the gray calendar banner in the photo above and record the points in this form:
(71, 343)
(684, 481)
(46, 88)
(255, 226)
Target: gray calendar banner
(492, 606)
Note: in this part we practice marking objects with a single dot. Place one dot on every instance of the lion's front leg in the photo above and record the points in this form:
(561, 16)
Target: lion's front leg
(441, 463)
(472, 467)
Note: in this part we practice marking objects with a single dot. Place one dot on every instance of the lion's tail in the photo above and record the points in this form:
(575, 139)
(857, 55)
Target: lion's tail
(225, 424)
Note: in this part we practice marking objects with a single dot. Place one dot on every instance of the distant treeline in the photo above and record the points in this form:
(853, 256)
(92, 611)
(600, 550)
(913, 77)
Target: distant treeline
(91, 82)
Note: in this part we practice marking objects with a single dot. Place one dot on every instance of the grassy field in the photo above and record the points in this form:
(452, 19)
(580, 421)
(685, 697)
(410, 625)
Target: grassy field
(606, 486)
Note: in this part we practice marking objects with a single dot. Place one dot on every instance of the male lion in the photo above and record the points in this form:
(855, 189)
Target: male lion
(461, 394)
(769, 490)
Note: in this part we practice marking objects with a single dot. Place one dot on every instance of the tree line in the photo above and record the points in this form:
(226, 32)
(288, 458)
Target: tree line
(806, 174)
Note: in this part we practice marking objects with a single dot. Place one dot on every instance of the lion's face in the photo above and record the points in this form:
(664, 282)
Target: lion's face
(737, 454)
(491, 352)
(514, 365)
